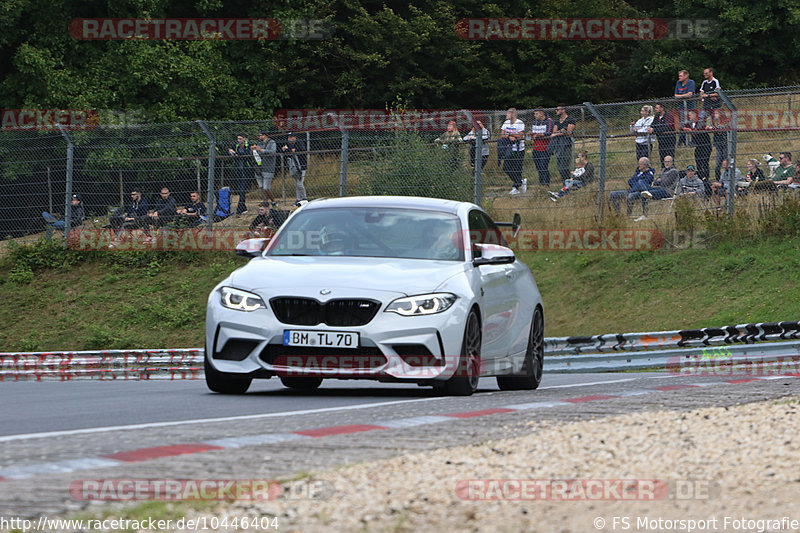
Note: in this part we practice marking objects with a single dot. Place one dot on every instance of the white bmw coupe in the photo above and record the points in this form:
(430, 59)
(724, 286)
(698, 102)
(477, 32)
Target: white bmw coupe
(402, 289)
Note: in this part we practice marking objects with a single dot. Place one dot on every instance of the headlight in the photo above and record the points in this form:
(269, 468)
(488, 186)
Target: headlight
(424, 304)
(240, 300)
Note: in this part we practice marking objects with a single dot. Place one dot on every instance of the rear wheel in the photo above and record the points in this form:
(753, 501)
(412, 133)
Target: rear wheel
(302, 383)
(465, 380)
(224, 382)
(533, 367)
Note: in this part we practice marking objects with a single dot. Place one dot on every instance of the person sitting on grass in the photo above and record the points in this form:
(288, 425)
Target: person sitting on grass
(719, 188)
(195, 214)
(260, 224)
(583, 174)
(639, 184)
(78, 217)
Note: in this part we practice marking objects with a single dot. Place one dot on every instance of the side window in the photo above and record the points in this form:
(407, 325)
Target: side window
(477, 230)
(493, 234)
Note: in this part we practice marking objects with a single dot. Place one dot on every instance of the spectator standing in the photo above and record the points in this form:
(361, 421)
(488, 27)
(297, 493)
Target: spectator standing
(164, 210)
(514, 131)
(642, 128)
(708, 94)
(702, 147)
(663, 127)
(470, 137)
(449, 141)
(241, 149)
(561, 141)
(721, 149)
(265, 173)
(684, 92)
(297, 159)
(541, 129)
(195, 214)
(640, 182)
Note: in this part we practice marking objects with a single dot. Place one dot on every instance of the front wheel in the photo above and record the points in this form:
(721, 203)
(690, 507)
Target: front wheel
(465, 380)
(533, 367)
(224, 382)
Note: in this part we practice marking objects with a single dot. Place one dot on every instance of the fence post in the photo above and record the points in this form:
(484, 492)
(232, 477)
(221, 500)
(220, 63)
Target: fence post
(478, 190)
(601, 158)
(344, 159)
(212, 149)
(68, 193)
(732, 138)
(49, 191)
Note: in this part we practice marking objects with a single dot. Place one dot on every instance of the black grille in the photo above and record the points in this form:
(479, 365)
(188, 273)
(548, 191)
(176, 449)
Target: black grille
(235, 350)
(310, 312)
(364, 357)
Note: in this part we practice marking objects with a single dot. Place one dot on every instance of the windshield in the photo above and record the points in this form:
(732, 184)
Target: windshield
(371, 232)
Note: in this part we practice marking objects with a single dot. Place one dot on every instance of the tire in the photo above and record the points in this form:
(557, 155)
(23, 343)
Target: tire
(465, 380)
(534, 359)
(302, 383)
(223, 382)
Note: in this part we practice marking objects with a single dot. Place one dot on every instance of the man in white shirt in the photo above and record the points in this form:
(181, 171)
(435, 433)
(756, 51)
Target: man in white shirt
(514, 130)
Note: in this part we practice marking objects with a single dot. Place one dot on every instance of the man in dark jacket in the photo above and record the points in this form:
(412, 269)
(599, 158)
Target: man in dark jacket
(664, 127)
(195, 214)
(639, 183)
(243, 170)
(164, 211)
(297, 159)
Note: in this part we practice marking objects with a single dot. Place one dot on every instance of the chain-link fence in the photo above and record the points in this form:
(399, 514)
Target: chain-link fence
(576, 166)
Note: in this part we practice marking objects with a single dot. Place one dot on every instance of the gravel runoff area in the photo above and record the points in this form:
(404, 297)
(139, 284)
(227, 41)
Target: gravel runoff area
(726, 469)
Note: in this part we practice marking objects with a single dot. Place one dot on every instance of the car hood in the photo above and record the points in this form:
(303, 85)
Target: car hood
(312, 274)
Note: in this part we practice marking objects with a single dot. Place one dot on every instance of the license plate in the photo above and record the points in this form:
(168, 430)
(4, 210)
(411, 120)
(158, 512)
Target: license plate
(320, 339)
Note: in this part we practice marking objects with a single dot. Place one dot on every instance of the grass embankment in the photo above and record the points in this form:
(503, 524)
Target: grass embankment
(51, 299)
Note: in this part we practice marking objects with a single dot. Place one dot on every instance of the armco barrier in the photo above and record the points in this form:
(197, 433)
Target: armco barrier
(658, 350)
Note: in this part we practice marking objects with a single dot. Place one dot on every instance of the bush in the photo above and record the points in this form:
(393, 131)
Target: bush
(410, 167)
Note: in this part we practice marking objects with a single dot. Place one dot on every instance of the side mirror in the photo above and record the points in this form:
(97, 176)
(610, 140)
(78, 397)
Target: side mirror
(251, 247)
(493, 254)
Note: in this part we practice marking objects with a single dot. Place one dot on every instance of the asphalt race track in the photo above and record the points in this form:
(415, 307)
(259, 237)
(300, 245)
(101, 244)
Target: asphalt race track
(52, 433)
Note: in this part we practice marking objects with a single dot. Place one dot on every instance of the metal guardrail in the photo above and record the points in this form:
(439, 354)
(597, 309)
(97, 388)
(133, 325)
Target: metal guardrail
(752, 359)
(672, 350)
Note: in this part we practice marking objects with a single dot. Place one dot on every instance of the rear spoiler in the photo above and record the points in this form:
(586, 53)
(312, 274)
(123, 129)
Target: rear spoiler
(515, 224)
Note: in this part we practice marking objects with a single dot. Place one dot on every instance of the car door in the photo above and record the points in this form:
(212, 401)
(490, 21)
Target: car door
(496, 289)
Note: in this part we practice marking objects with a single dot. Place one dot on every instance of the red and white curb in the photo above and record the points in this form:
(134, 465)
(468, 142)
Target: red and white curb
(146, 454)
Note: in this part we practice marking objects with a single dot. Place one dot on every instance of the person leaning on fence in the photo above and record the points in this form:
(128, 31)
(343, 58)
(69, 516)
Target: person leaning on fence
(691, 185)
(684, 92)
(241, 149)
(195, 214)
(266, 149)
(470, 137)
(78, 217)
(643, 130)
(541, 129)
(561, 141)
(663, 127)
(708, 93)
(297, 160)
(164, 210)
(135, 215)
(514, 132)
(450, 140)
(639, 183)
(583, 174)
